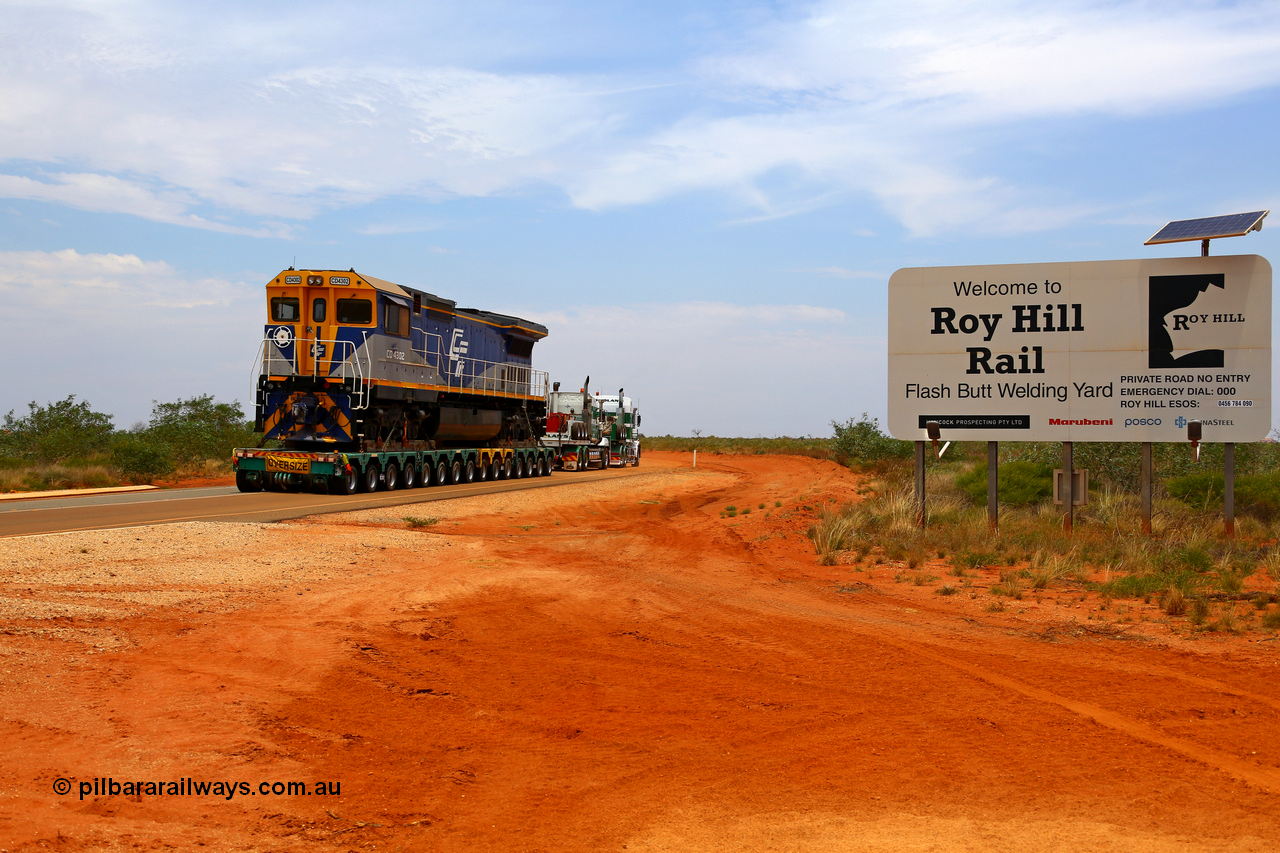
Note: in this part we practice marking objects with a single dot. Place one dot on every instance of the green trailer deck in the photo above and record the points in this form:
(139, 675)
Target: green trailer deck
(370, 471)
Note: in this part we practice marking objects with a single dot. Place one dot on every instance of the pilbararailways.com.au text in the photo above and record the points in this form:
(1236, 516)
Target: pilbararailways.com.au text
(188, 787)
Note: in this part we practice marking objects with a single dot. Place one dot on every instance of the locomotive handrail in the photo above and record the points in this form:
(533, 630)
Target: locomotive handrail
(457, 372)
(349, 367)
(271, 363)
(486, 378)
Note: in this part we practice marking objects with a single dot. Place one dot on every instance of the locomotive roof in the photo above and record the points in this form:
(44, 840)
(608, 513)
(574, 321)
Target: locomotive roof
(506, 322)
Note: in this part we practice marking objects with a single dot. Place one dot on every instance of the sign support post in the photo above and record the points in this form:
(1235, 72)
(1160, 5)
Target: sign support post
(1229, 488)
(1068, 486)
(1146, 487)
(920, 508)
(993, 485)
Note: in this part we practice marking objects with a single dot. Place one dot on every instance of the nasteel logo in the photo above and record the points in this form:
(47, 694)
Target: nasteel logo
(1079, 422)
(1181, 422)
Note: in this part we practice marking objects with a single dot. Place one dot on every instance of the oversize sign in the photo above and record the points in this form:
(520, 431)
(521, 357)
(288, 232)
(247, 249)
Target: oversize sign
(1090, 351)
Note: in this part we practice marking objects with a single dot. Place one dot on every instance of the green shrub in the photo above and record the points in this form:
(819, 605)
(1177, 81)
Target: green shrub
(862, 442)
(1142, 585)
(199, 428)
(56, 432)
(1255, 494)
(1020, 483)
(140, 458)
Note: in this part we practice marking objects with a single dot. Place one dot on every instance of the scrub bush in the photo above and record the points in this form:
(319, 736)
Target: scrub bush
(199, 428)
(1256, 494)
(140, 458)
(1021, 483)
(57, 432)
(862, 442)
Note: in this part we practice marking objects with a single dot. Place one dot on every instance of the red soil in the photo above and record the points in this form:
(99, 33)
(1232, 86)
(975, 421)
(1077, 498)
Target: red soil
(637, 672)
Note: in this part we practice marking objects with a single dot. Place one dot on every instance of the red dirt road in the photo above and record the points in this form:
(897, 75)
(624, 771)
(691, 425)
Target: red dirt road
(607, 667)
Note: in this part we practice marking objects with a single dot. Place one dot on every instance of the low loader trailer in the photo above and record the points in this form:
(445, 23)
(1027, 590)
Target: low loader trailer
(386, 468)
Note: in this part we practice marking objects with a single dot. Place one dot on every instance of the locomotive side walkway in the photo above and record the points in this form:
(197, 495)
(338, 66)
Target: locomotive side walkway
(225, 503)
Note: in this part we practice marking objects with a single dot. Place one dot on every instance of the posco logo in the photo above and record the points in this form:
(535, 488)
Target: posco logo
(1142, 422)
(1180, 422)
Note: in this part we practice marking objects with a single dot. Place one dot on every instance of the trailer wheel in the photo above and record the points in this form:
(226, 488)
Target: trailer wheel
(393, 477)
(469, 473)
(369, 482)
(345, 484)
(482, 473)
(493, 469)
(455, 473)
(505, 473)
(249, 481)
(442, 473)
(409, 476)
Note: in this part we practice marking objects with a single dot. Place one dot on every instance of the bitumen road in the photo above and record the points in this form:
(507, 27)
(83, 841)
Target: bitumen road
(225, 503)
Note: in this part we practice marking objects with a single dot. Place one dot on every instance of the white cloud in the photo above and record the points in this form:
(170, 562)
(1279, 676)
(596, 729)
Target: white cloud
(1001, 58)
(109, 194)
(841, 272)
(282, 115)
(121, 331)
(725, 369)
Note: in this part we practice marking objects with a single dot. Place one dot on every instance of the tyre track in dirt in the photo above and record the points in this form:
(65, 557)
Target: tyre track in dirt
(1264, 778)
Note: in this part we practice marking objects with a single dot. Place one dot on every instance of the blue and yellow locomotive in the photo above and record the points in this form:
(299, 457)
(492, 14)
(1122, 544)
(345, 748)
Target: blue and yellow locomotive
(350, 362)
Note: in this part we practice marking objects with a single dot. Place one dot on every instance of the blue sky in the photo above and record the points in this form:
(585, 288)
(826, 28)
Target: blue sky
(703, 201)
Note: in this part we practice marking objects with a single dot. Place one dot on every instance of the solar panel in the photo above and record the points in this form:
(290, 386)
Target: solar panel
(1209, 227)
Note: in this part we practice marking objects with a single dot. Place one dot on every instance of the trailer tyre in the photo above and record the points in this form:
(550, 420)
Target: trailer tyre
(345, 484)
(392, 477)
(442, 473)
(369, 482)
(249, 481)
(482, 473)
(409, 476)
(455, 473)
(469, 472)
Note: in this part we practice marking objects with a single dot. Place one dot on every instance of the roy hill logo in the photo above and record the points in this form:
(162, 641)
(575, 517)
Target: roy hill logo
(1168, 296)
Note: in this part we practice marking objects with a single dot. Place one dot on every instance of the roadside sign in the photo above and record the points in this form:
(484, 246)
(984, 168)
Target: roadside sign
(1086, 351)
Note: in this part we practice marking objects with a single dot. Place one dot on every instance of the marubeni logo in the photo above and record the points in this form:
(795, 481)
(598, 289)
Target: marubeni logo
(1078, 422)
